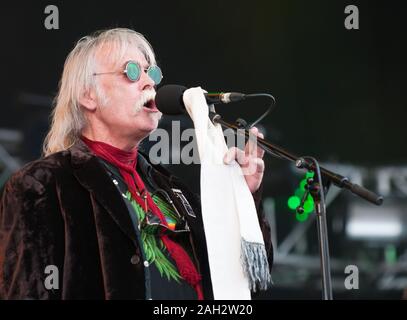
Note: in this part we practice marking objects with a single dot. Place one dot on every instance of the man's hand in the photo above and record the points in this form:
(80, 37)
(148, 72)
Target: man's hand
(250, 160)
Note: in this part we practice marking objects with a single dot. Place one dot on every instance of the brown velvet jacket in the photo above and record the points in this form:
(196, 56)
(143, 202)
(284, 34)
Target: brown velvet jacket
(64, 210)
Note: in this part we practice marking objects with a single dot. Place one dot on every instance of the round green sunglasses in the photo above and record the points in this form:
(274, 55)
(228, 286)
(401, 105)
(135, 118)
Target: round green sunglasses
(133, 72)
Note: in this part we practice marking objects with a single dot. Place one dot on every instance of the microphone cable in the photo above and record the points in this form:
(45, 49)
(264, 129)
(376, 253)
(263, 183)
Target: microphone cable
(270, 108)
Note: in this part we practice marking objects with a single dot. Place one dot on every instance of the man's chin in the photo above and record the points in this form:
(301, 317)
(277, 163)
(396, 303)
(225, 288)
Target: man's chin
(150, 127)
(147, 123)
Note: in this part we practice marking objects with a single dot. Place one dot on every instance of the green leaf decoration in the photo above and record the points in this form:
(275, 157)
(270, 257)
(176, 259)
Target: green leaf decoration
(154, 249)
(165, 208)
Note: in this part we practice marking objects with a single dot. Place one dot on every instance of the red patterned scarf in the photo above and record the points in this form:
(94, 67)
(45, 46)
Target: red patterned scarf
(126, 161)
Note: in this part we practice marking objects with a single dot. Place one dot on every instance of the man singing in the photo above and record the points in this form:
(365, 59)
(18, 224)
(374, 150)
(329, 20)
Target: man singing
(94, 215)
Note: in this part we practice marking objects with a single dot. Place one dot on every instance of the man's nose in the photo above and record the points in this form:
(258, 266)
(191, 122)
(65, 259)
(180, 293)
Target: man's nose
(147, 82)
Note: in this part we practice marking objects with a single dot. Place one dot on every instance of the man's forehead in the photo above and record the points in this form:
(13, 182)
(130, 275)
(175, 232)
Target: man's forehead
(137, 56)
(112, 57)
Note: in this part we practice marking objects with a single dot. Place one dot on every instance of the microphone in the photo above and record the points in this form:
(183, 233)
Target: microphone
(169, 98)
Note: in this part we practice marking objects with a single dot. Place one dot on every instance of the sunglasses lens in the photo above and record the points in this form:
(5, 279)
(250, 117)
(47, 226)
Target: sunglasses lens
(133, 71)
(154, 72)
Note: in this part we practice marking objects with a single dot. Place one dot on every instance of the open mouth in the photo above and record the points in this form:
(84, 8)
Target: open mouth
(150, 105)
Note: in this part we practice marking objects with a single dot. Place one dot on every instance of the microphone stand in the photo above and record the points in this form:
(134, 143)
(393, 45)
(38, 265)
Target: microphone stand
(318, 190)
(317, 187)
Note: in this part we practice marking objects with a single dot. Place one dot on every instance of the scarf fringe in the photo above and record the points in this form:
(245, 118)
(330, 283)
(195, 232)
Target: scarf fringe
(255, 265)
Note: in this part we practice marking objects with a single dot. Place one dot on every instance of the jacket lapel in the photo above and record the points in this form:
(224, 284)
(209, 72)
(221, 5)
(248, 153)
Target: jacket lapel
(93, 177)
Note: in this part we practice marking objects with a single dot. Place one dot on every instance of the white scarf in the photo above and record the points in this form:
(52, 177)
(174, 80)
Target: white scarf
(236, 251)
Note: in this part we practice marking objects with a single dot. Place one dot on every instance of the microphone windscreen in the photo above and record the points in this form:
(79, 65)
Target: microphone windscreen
(169, 99)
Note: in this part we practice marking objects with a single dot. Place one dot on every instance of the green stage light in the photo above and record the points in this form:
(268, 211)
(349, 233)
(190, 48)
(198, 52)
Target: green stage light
(302, 184)
(293, 202)
(309, 205)
(309, 175)
(301, 217)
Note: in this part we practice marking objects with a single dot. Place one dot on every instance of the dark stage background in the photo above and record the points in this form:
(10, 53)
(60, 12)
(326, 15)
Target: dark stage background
(340, 97)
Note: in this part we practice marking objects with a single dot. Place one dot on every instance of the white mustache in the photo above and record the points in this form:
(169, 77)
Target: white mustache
(146, 96)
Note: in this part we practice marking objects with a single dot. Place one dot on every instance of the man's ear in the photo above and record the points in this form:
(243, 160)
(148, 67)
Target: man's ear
(88, 100)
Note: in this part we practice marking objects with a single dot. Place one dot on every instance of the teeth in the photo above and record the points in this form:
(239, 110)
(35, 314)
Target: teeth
(147, 97)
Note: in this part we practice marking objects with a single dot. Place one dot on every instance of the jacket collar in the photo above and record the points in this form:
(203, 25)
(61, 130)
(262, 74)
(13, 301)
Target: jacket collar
(93, 177)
